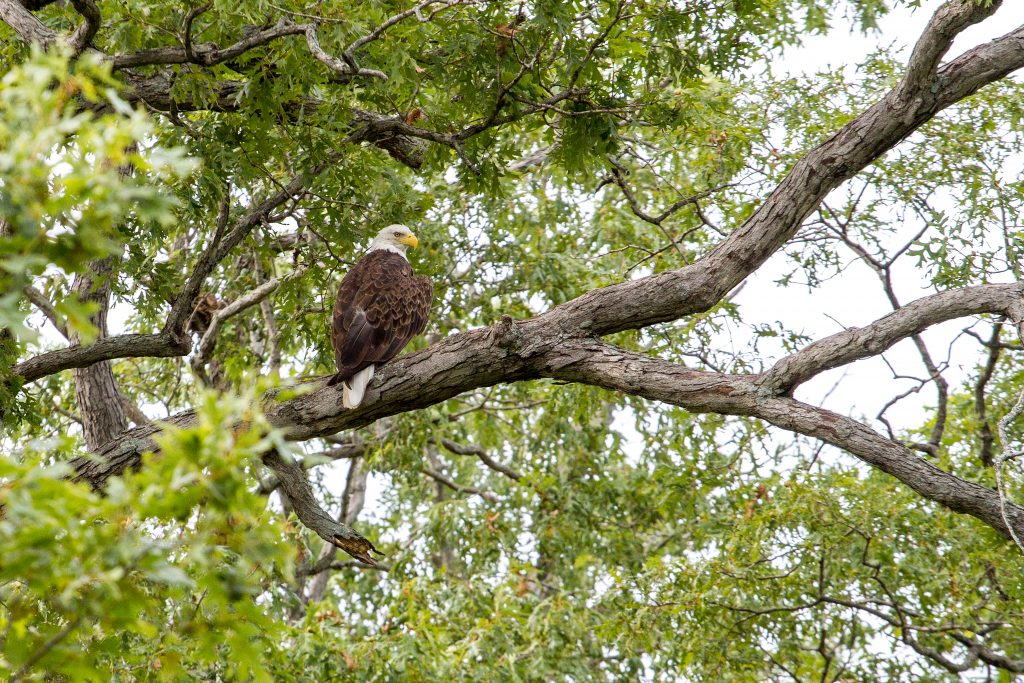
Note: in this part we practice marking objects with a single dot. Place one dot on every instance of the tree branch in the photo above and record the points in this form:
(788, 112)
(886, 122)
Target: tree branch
(347, 451)
(345, 68)
(26, 25)
(295, 485)
(460, 488)
(466, 449)
(84, 34)
(603, 365)
(863, 342)
(252, 298)
(943, 27)
(539, 347)
(40, 301)
(173, 339)
(207, 54)
(697, 287)
(122, 346)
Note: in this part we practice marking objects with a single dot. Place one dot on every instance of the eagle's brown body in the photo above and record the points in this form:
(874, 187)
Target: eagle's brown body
(380, 306)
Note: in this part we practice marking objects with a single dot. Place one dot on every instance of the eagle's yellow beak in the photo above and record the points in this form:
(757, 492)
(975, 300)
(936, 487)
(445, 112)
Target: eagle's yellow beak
(410, 241)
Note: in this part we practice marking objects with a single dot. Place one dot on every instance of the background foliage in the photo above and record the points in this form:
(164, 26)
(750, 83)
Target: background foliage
(615, 539)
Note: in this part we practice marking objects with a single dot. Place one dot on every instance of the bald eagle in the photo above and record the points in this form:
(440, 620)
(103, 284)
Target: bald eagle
(380, 306)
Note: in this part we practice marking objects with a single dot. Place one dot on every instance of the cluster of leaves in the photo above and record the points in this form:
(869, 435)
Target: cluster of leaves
(158, 576)
(66, 190)
(74, 184)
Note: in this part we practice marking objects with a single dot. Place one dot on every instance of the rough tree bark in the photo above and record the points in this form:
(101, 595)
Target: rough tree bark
(352, 500)
(96, 390)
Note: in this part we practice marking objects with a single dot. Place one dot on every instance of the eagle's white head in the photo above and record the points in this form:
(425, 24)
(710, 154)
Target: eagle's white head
(396, 238)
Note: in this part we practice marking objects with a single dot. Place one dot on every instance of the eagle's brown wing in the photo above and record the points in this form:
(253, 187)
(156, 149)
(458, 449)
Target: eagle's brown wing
(380, 306)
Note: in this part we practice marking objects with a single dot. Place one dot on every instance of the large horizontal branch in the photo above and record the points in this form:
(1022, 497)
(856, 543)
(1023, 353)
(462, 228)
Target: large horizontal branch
(599, 364)
(537, 348)
(122, 346)
(863, 342)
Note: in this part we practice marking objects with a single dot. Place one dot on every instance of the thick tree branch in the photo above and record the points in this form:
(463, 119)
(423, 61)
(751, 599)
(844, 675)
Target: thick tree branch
(26, 25)
(84, 34)
(539, 348)
(352, 500)
(607, 366)
(862, 342)
(108, 348)
(944, 26)
(345, 451)
(208, 54)
(295, 485)
(695, 288)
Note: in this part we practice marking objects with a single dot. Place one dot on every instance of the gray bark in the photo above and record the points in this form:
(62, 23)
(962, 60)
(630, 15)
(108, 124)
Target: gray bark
(352, 500)
(100, 402)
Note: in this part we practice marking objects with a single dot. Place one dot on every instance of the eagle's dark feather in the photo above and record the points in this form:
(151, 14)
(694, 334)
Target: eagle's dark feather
(380, 306)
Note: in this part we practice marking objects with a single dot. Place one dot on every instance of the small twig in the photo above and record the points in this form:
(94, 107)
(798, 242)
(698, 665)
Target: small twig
(979, 393)
(461, 488)
(467, 449)
(51, 643)
(1003, 426)
(40, 301)
(417, 11)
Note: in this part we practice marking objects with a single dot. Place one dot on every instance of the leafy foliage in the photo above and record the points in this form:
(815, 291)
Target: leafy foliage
(160, 575)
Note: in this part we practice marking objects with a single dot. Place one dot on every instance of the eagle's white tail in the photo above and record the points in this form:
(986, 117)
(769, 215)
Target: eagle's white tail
(355, 386)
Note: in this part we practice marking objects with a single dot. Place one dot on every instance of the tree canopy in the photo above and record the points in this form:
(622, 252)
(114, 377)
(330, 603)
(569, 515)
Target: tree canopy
(600, 462)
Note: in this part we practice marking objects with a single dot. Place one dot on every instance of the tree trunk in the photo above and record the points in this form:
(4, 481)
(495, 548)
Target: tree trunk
(99, 398)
